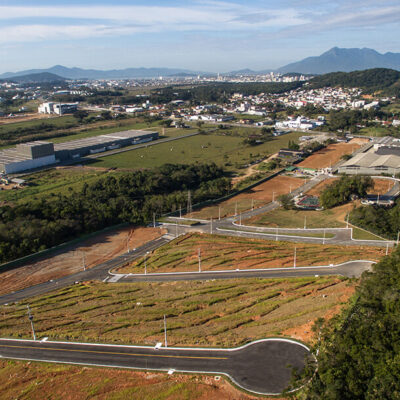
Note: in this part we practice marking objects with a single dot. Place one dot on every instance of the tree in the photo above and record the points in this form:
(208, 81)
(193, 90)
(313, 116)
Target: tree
(80, 115)
(286, 201)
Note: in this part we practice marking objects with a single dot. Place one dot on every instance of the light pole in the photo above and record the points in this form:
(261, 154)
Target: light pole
(83, 261)
(294, 259)
(211, 227)
(219, 213)
(154, 220)
(252, 204)
(240, 219)
(235, 209)
(323, 241)
(273, 196)
(145, 262)
(199, 255)
(305, 222)
(30, 317)
(165, 331)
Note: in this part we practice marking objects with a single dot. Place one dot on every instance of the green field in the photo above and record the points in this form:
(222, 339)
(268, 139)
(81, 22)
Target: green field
(314, 219)
(230, 252)
(60, 180)
(374, 131)
(201, 313)
(223, 150)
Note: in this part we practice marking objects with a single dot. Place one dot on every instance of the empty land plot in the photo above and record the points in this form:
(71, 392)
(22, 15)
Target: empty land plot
(381, 186)
(257, 197)
(331, 154)
(332, 218)
(57, 180)
(223, 150)
(24, 380)
(92, 252)
(230, 253)
(224, 313)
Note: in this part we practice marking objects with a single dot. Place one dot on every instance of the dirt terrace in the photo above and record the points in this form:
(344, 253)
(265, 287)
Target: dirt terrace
(93, 251)
(258, 196)
(331, 154)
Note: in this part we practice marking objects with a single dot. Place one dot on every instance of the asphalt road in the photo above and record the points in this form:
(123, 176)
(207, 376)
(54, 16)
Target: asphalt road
(99, 272)
(261, 367)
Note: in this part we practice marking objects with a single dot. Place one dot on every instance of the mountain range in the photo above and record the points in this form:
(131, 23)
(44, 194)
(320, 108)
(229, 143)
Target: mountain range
(344, 60)
(334, 60)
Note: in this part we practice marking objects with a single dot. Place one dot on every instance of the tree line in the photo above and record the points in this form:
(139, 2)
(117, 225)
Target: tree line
(359, 351)
(130, 197)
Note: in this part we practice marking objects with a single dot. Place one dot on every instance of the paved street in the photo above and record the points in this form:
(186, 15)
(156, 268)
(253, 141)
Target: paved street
(261, 367)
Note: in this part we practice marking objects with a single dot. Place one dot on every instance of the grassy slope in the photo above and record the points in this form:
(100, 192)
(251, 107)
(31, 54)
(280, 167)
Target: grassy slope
(225, 252)
(220, 313)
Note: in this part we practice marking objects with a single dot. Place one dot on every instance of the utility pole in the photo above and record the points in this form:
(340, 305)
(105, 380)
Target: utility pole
(294, 259)
(83, 261)
(347, 221)
(127, 244)
(165, 331)
(273, 196)
(276, 235)
(180, 211)
(387, 248)
(176, 229)
(240, 219)
(145, 262)
(154, 220)
(219, 213)
(252, 204)
(305, 222)
(235, 209)
(211, 227)
(323, 241)
(30, 317)
(189, 203)
(199, 255)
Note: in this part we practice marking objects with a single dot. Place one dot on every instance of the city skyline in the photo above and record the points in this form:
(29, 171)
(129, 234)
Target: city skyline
(210, 36)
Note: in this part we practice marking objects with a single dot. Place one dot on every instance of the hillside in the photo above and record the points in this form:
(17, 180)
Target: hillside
(374, 79)
(345, 60)
(42, 77)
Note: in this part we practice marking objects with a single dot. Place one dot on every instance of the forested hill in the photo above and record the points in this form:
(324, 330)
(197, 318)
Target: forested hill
(128, 197)
(370, 79)
(359, 355)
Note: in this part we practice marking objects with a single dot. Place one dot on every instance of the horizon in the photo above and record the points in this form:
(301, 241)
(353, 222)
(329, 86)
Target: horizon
(198, 35)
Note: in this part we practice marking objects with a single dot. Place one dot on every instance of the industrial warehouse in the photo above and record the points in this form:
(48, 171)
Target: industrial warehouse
(31, 155)
(382, 158)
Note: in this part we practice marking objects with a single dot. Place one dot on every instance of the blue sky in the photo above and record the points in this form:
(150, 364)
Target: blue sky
(203, 35)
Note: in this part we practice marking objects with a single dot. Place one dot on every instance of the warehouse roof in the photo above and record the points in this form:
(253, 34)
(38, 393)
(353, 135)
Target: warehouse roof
(102, 139)
(373, 160)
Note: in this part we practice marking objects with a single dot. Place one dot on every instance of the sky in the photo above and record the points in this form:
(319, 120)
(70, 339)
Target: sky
(200, 35)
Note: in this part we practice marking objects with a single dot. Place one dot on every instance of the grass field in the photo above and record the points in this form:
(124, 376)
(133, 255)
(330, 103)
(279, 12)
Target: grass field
(201, 313)
(224, 150)
(228, 252)
(333, 218)
(56, 180)
(377, 130)
(37, 381)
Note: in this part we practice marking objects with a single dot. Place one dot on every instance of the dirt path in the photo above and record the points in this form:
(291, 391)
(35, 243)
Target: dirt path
(90, 252)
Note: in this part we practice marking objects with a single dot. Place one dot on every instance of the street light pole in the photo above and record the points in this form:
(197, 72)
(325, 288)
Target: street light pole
(199, 255)
(165, 331)
(30, 317)
(294, 260)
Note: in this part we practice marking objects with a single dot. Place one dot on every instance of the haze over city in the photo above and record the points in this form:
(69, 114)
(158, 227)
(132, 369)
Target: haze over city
(213, 36)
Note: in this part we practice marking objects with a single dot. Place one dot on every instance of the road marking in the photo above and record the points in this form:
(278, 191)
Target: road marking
(114, 353)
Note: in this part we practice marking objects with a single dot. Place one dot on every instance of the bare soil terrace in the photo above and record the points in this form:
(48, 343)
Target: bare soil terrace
(258, 196)
(331, 154)
(93, 251)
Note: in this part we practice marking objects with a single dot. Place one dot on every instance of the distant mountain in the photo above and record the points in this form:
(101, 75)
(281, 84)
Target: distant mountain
(345, 60)
(128, 73)
(42, 77)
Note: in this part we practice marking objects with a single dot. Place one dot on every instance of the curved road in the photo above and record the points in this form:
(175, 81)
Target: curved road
(261, 367)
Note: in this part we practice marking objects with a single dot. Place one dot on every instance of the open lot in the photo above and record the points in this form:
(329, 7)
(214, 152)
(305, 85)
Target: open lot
(38, 381)
(227, 252)
(92, 252)
(258, 196)
(333, 218)
(223, 150)
(381, 186)
(55, 180)
(331, 154)
(199, 313)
